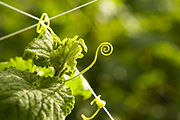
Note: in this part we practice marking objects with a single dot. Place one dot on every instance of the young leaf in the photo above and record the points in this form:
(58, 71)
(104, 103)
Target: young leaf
(64, 58)
(21, 100)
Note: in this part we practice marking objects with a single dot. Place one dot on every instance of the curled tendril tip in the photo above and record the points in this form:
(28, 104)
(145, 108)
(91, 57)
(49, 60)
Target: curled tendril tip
(106, 48)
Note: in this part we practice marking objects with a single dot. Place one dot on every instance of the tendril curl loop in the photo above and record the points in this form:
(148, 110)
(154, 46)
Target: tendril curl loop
(105, 48)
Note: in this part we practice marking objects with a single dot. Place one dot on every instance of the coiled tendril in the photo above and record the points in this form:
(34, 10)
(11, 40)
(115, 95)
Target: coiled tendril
(105, 48)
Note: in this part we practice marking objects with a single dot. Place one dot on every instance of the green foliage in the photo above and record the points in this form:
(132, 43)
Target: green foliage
(33, 89)
(21, 64)
(17, 62)
(21, 100)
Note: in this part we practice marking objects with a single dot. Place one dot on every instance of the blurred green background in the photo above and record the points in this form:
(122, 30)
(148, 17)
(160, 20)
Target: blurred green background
(141, 79)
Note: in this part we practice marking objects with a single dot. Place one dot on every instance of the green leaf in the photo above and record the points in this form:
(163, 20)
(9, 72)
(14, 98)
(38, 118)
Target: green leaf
(18, 63)
(21, 64)
(64, 58)
(39, 49)
(21, 100)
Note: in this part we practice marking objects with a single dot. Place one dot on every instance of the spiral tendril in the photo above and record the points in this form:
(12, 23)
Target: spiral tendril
(105, 48)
